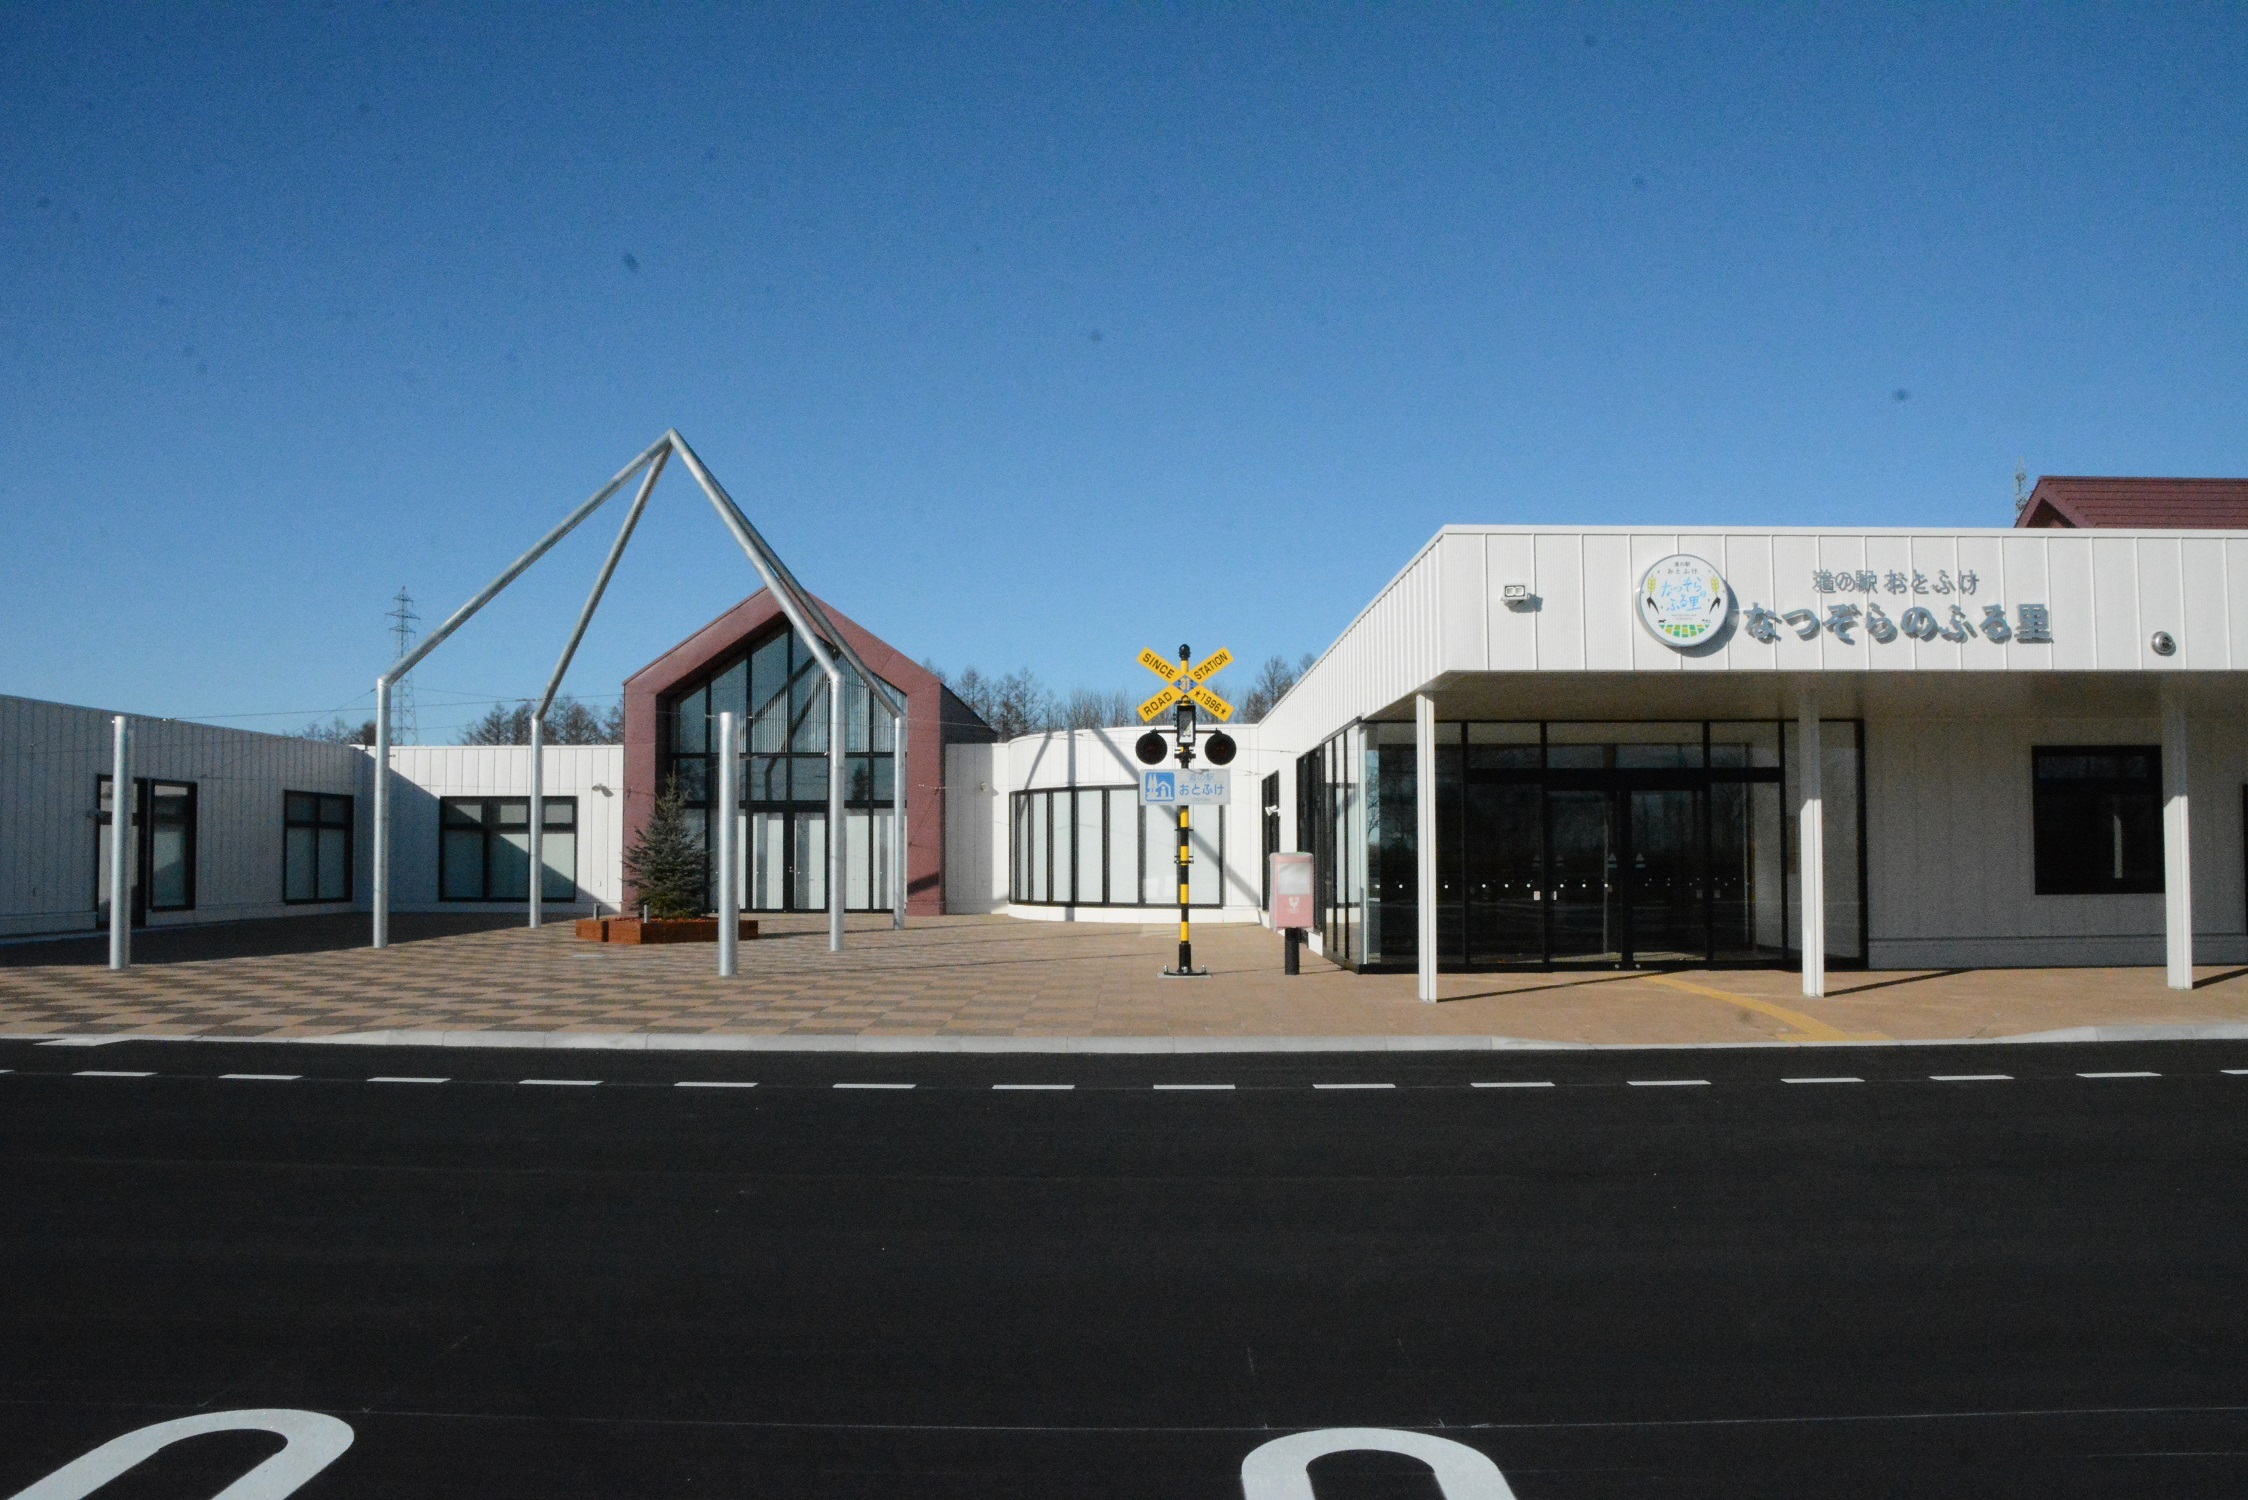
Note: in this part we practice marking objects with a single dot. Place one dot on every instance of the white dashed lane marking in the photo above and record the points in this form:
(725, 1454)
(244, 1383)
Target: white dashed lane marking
(1822, 1080)
(109, 1073)
(2237, 1072)
(1180, 1088)
(874, 1085)
(1668, 1083)
(1515, 1083)
(405, 1078)
(1354, 1085)
(1970, 1078)
(559, 1083)
(708, 1083)
(2119, 1075)
(261, 1077)
(1030, 1088)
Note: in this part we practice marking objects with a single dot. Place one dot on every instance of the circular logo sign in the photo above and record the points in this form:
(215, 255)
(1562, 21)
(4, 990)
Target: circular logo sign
(1684, 601)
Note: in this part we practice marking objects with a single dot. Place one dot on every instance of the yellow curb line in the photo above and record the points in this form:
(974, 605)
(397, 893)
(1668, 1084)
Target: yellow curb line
(1811, 1028)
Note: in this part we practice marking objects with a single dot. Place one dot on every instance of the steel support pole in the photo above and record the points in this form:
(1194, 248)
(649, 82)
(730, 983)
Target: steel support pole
(381, 878)
(1812, 833)
(121, 845)
(835, 765)
(538, 814)
(608, 570)
(898, 844)
(2177, 846)
(729, 849)
(1424, 843)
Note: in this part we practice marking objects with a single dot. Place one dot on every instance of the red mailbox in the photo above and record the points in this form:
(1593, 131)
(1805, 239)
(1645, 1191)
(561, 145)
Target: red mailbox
(1291, 891)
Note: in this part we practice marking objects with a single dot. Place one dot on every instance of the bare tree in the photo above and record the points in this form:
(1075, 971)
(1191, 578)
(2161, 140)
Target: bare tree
(568, 722)
(339, 731)
(1274, 679)
(1089, 708)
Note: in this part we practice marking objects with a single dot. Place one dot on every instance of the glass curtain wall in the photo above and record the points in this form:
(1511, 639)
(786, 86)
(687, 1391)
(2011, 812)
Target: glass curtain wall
(1096, 846)
(1331, 825)
(777, 689)
(1585, 843)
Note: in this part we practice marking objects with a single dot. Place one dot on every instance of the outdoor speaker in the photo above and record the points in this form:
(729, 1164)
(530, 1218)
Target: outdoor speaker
(1150, 749)
(1218, 749)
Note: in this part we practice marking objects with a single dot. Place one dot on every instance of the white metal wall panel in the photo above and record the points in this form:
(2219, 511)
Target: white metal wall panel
(592, 774)
(1950, 848)
(51, 756)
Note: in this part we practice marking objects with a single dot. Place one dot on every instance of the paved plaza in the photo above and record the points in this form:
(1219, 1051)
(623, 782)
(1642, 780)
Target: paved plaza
(998, 977)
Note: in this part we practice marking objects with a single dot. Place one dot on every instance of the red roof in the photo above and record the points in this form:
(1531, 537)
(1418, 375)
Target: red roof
(2143, 504)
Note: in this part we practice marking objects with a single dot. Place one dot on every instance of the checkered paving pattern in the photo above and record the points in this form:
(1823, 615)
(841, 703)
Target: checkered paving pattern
(989, 976)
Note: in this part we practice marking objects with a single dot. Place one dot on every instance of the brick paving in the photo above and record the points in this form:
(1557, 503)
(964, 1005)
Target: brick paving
(993, 976)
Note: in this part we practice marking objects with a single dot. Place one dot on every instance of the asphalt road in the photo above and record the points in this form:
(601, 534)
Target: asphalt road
(1622, 1284)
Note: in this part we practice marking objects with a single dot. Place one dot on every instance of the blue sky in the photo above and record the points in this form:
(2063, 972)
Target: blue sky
(993, 317)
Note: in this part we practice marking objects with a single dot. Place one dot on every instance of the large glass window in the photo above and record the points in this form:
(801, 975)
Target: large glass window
(163, 873)
(1594, 843)
(484, 849)
(2098, 819)
(776, 688)
(315, 847)
(1096, 846)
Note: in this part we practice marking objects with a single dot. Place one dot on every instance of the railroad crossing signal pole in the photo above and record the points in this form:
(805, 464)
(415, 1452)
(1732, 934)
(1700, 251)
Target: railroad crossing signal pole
(1183, 690)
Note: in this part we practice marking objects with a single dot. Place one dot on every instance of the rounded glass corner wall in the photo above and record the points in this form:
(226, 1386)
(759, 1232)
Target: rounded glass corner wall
(775, 687)
(1619, 845)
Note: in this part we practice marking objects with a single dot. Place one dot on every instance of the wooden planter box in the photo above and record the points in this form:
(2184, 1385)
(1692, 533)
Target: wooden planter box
(656, 929)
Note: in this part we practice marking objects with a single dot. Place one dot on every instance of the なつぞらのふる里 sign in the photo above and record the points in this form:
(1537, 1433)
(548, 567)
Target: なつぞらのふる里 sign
(1683, 601)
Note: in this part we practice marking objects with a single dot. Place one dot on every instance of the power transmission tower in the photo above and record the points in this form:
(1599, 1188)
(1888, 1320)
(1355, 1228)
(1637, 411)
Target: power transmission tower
(403, 729)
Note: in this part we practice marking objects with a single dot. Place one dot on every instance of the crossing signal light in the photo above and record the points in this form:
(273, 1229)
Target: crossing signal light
(1150, 748)
(1218, 749)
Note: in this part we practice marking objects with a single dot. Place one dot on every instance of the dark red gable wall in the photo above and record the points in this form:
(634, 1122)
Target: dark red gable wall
(725, 636)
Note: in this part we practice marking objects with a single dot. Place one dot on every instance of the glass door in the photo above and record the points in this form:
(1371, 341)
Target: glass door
(1503, 856)
(807, 862)
(1582, 920)
(1662, 878)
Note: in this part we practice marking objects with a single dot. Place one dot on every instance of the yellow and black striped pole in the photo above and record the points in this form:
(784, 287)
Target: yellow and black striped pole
(1186, 936)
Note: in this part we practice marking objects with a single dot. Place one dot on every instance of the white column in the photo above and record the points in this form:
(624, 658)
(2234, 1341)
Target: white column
(729, 851)
(538, 814)
(1424, 797)
(1811, 858)
(381, 881)
(2177, 844)
(121, 846)
(835, 766)
(897, 822)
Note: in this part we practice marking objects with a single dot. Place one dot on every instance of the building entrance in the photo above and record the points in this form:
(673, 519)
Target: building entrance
(1603, 845)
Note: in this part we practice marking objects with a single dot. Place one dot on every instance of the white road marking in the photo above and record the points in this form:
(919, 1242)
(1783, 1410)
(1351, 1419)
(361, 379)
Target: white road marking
(559, 1083)
(1668, 1083)
(1354, 1085)
(2119, 1075)
(1184, 1087)
(2237, 1072)
(703, 1083)
(1822, 1080)
(108, 1073)
(263, 1077)
(1030, 1087)
(405, 1078)
(1970, 1078)
(1515, 1083)
(874, 1085)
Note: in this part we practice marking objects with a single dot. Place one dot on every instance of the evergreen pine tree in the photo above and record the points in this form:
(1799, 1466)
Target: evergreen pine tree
(665, 862)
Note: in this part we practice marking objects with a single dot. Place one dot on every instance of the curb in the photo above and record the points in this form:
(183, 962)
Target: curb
(657, 1041)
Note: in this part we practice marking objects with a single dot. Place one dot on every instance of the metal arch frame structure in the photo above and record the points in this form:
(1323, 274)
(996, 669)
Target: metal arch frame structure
(805, 616)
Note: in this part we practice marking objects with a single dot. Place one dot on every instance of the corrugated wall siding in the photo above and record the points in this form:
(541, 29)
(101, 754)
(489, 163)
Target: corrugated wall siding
(51, 755)
(593, 774)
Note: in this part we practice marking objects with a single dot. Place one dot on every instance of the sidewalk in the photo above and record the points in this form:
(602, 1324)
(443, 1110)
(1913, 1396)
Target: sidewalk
(998, 977)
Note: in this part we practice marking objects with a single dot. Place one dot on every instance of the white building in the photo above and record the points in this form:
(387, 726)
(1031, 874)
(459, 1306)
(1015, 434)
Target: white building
(232, 824)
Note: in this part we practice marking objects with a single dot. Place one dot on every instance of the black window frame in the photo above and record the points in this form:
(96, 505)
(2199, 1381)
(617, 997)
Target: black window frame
(489, 829)
(145, 821)
(321, 824)
(1044, 802)
(2063, 860)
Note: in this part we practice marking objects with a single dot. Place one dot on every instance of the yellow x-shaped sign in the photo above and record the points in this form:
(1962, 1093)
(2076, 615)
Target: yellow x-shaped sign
(1187, 683)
